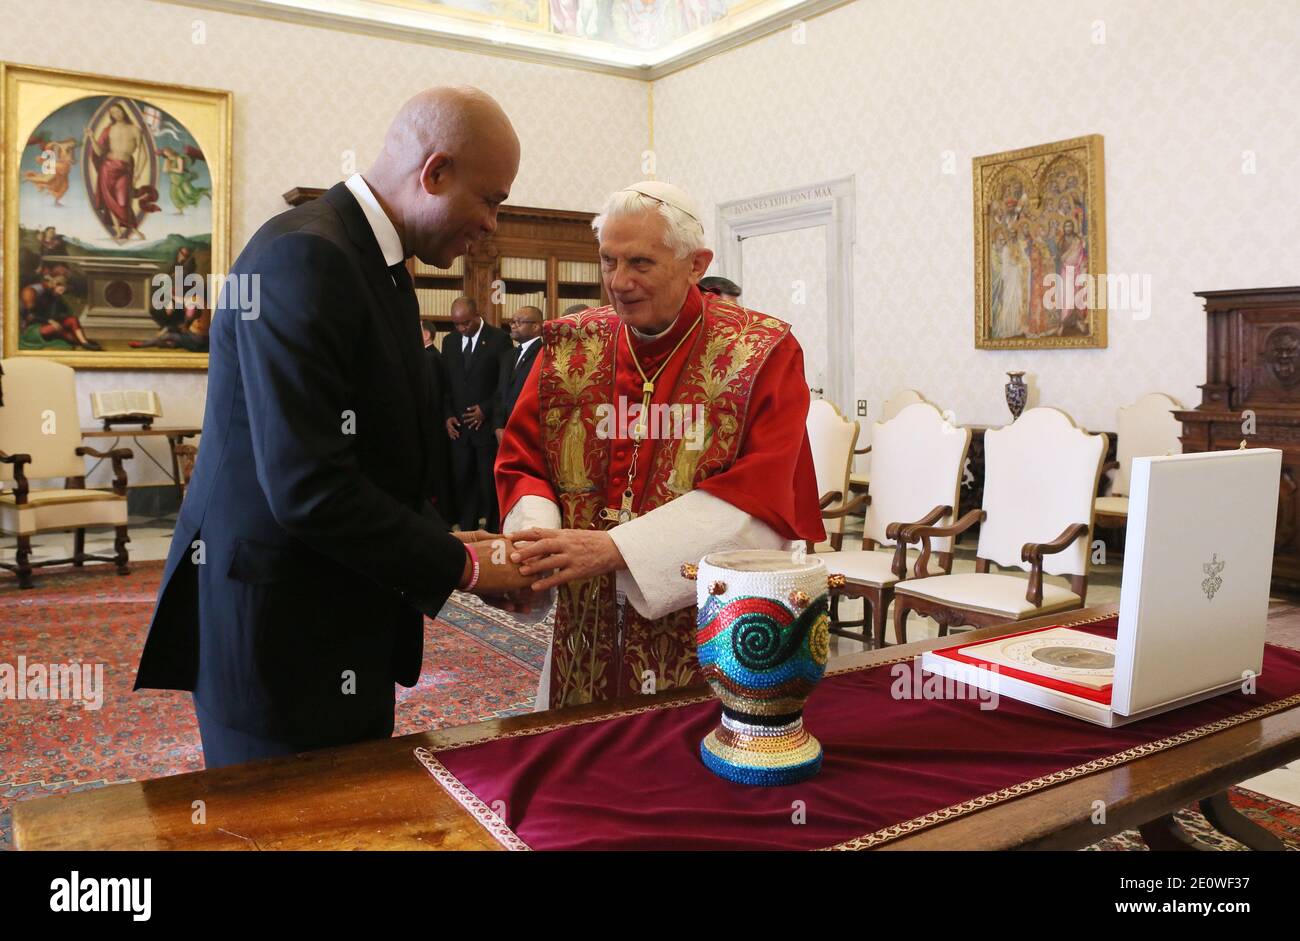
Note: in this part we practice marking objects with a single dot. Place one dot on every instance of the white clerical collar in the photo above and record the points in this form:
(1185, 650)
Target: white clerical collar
(643, 337)
(382, 226)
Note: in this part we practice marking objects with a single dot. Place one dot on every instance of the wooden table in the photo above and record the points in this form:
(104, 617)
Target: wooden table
(174, 437)
(376, 795)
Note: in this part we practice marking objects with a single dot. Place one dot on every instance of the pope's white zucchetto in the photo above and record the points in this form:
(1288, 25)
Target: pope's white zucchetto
(674, 196)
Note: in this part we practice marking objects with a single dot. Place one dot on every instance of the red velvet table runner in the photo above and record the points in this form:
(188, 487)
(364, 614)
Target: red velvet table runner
(893, 766)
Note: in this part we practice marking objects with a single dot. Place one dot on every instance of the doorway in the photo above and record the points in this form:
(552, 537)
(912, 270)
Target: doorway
(792, 253)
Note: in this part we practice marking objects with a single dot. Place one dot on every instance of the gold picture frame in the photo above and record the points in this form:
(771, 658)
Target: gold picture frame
(1040, 247)
(116, 196)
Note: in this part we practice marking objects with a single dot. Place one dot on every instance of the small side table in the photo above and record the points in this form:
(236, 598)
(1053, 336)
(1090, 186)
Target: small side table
(174, 437)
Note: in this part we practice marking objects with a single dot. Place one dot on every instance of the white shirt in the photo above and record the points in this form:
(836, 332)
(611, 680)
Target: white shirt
(523, 347)
(468, 343)
(382, 226)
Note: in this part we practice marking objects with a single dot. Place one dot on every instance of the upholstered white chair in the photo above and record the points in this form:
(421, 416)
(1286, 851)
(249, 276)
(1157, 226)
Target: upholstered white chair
(1147, 428)
(918, 460)
(1040, 477)
(40, 438)
(831, 437)
(892, 406)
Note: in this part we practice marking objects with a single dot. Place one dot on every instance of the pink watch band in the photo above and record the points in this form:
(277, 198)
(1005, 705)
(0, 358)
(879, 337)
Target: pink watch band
(474, 568)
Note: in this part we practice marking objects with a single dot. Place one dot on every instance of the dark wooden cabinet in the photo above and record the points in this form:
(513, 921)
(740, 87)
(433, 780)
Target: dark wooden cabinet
(1252, 395)
(544, 257)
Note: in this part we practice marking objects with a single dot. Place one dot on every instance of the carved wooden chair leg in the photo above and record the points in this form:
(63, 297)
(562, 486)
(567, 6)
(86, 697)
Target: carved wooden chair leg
(839, 626)
(79, 549)
(835, 609)
(879, 612)
(1231, 822)
(119, 544)
(24, 561)
(901, 609)
(1167, 834)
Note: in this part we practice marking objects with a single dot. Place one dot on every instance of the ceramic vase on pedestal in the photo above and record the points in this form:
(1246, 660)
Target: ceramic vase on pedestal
(1017, 394)
(763, 640)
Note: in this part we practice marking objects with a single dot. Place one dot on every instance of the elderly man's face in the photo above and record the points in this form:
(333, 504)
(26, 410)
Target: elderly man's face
(646, 283)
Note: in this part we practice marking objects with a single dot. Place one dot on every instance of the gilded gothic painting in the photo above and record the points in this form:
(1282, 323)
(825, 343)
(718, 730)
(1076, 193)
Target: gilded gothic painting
(1040, 249)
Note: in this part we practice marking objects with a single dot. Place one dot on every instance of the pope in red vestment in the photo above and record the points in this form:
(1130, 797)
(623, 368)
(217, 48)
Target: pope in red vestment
(649, 433)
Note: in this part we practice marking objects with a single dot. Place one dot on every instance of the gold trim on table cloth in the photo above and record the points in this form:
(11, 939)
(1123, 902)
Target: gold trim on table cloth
(471, 802)
(512, 841)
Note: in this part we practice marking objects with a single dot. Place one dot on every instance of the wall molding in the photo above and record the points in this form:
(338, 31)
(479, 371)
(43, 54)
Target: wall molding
(543, 48)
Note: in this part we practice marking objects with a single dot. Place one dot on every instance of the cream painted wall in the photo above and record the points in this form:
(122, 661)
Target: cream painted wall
(304, 98)
(895, 92)
(886, 89)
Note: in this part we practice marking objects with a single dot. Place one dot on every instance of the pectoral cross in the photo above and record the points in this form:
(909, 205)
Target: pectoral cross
(624, 513)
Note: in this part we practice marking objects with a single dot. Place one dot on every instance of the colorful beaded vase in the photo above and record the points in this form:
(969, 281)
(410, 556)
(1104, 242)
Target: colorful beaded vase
(762, 638)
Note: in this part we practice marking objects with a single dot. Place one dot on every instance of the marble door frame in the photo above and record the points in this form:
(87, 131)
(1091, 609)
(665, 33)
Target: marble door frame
(829, 204)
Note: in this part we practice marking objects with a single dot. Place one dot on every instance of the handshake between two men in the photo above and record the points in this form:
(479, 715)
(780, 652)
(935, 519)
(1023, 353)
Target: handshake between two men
(517, 572)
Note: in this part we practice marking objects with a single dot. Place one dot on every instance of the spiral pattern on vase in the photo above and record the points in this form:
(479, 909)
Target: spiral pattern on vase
(762, 658)
(758, 642)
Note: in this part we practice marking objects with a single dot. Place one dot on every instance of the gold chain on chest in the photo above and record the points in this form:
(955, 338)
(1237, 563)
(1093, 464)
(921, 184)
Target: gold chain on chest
(623, 512)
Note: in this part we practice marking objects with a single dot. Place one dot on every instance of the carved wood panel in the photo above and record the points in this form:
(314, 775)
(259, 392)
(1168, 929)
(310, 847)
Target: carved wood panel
(1252, 395)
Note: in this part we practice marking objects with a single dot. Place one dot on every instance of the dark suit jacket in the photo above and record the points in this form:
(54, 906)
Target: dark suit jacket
(443, 489)
(306, 546)
(437, 380)
(512, 380)
(478, 386)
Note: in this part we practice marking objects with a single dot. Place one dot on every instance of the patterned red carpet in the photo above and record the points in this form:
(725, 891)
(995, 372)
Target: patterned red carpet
(478, 663)
(1279, 818)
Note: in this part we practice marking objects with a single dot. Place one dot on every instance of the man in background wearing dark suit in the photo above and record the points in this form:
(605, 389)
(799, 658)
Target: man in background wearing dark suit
(472, 358)
(307, 547)
(722, 287)
(526, 330)
(443, 497)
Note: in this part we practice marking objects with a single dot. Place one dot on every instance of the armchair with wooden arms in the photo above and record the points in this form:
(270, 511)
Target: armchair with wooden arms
(831, 437)
(1041, 473)
(1147, 428)
(40, 438)
(892, 407)
(918, 467)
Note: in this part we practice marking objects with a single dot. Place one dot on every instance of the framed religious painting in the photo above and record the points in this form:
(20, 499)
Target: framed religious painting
(116, 198)
(1040, 247)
